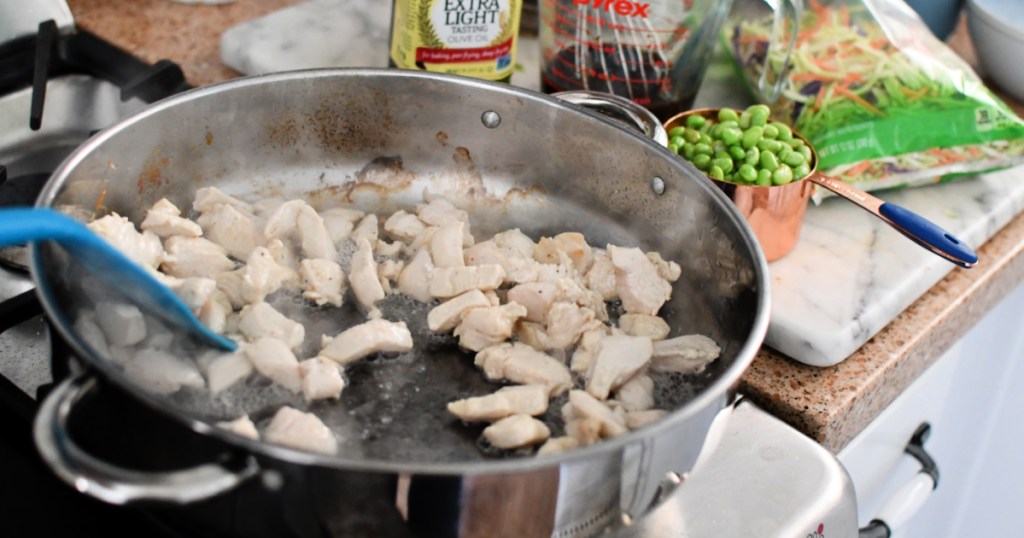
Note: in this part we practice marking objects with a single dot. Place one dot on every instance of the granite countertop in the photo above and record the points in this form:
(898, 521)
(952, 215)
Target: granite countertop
(831, 405)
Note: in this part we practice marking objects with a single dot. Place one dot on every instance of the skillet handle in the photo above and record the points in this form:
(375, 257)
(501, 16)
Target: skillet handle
(117, 485)
(621, 109)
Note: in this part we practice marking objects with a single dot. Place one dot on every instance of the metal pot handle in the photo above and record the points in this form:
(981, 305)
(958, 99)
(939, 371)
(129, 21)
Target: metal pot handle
(113, 484)
(621, 109)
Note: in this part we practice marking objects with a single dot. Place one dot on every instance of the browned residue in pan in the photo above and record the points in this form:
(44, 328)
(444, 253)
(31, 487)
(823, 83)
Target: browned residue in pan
(209, 138)
(152, 174)
(442, 138)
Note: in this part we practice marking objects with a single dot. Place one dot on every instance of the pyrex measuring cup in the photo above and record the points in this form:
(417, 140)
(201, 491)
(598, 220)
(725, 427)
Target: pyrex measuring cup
(775, 212)
(653, 52)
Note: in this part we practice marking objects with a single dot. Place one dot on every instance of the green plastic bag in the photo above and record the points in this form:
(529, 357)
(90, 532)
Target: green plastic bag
(884, 102)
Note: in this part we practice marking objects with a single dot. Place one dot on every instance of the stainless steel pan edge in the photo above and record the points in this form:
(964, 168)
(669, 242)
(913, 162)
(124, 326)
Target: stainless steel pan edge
(637, 446)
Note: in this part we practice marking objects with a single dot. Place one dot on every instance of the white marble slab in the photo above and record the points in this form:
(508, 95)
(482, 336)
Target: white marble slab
(849, 275)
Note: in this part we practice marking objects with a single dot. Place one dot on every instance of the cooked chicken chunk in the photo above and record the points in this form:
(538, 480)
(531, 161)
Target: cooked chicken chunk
(241, 426)
(232, 229)
(585, 406)
(321, 379)
(340, 222)
(684, 354)
(566, 322)
(638, 419)
(365, 339)
(516, 431)
(670, 271)
(323, 280)
(194, 292)
(585, 431)
(652, 327)
(208, 197)
(537, 297)
(532, 334)
(414, 280)
(516, 241)
(618, 360)
(142, 248)
(446, 245)
(637, 281)
(549, 272)
(637, 394)
(517, 268)
(404, 226)
(215, 311)
(586, 351)
(162, 372)
(304, 431)
(451, 281)
(164, 219)
(260, 319)
(283, 221)
(363, 276)
(557, 444)
(445, 316)
(283, 255)
(262, 276)
(368, 229)
(482, 327)
(226, 369)
(389, 250)
(601, 276)
(438, 211)
(316, 242)
(520, 400)
(519, 363)
(272, 358)
(122, 324)
(569, 246)
(194, 257)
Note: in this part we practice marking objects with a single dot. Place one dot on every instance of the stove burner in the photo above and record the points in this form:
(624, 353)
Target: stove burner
(20, 191)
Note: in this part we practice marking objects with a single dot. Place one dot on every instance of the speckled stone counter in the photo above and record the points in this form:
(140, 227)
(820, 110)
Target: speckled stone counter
(831, 405)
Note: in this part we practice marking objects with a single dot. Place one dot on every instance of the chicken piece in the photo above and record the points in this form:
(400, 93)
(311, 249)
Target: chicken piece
(532, 334)
(388, 250)
(304, 431)
(349, 214)
(670, 271)
(122, 324)
(585, 406)
(575, 246)
(493, 297)
(601, 276)
(585, 431)
(638, 419)
(241, 426)
(164, 219)
(516, 431)
(549, 272)
(87, 327)
(214, 313)
(323, 280)
(339, 225)
(389, 270)
(194, 292)
(321, 379)
(208, 197)
(439, 211)
(618, 360)
(414, 280)
(515, 241)
(684, 354)
(483, 327)
(422, 241)
(230, 284)
(451, 281)
(367, 338)
(507, 401)
(283, 222)
(162, 372)
(537, 297)
(260, 319)
(367, 229)
(586, 351)
(517, 268)
(566, 322)
(262, 276)
(363, 276)
(652, 327)
(142, 248)
(556, 445)
(226, 369)
(637, 281)
(519, 363)
(446, 245)
(272, 358)
(195, 257)
(316, 242)
(404, 226)
(637, 394)
(232, 229)
(284, 257)
(445, 316)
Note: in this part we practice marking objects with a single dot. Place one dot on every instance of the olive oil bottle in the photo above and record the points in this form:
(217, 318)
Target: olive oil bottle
(475, 38)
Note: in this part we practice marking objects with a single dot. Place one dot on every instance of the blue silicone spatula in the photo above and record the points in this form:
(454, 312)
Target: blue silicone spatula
(18, 226)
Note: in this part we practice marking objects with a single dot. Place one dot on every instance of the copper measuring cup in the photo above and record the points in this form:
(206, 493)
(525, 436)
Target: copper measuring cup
(776, 212)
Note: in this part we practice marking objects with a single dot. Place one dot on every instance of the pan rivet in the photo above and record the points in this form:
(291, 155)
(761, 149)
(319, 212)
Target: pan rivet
(658, 185)
(272, 480)
(491, 119)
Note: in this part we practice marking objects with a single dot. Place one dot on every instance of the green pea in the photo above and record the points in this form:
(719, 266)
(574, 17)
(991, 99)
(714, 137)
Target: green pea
(737, 153)
(770, 131)
(764, 178)
(745, 119)
(771, 146)
(691, 135)
(753, 157)
(676, 131)
(724, 164)
(752, 136)
(702, 149)
(722, 154)
(716, 130)
(727, 114)
(732, 135)
(794, 158)
(747, 173)
(805, 151)
(696, 121)
(782, 175)
(702, 161)
(769, 161)
(716, 172)
(794, 143)
(783, 151)
(759, 115)
(784, 132)
(676, 140)
(705, 138)
(801, 171)
(674, 148)
(688, 152)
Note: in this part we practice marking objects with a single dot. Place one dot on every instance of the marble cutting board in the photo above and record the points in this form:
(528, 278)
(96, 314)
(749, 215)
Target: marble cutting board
(848, 276)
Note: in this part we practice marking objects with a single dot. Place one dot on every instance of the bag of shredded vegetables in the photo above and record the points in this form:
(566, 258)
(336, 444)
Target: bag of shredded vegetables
(884, 102)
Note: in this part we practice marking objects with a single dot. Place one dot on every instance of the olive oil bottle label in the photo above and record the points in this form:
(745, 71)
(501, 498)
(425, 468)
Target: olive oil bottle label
(476, 38)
